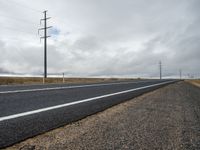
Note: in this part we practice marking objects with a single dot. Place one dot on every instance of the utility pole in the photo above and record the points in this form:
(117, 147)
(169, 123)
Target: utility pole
(180, 71)
(160, 68)
(45, 40)
(188, 76)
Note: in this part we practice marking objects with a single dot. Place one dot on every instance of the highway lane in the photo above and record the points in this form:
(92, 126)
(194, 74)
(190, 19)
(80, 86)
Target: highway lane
(41, 97)
(28, 113)
(40, 87)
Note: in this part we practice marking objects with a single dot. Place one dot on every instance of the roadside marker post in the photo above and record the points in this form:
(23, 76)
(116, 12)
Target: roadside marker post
(63, 77)
(43, 80)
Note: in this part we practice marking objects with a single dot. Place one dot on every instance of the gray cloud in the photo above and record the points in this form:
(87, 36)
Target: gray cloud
(3, 71)
(105, 38)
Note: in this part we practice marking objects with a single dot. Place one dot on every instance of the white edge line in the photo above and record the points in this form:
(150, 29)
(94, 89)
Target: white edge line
(76, 102)
(66, 87)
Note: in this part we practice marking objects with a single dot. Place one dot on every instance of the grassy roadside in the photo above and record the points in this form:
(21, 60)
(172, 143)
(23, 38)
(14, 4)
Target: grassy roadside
(195, 82)
(37, 80)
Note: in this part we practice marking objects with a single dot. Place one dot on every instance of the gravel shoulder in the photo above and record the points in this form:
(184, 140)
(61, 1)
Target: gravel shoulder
(167, 118)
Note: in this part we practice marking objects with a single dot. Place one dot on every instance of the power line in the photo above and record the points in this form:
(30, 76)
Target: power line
(24, 6)
(19, 28)
(14, 38)
(37, 11)
(17, 19)
(16, 30)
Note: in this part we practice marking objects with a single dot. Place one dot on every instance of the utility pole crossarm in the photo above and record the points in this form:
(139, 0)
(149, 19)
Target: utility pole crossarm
(45, 28)
(44, 19)
(45, 37)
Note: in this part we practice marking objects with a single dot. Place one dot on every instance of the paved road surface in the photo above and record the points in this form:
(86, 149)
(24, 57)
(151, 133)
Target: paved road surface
(26, 111)
(165, 119)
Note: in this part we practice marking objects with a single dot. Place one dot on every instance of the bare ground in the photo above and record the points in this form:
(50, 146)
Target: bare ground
(168, 118)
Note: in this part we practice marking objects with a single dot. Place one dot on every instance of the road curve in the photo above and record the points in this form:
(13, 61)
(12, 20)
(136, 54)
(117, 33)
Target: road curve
(26, 111)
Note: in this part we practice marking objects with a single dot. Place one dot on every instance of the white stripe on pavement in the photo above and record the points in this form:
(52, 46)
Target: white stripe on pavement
(66, 87)
(76, 102)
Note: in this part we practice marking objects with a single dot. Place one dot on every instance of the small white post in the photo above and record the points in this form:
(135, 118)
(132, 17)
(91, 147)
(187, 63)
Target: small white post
(43, 80)
(63, 77)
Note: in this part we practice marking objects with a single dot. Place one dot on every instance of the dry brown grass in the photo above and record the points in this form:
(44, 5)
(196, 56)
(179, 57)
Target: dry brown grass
(36, 80)
(195, 82)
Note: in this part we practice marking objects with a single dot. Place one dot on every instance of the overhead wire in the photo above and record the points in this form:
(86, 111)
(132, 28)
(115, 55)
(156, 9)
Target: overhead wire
(16, 30)
(24, 6)
(17, 19)
(7, 17)
(37, 11)
(30, 22)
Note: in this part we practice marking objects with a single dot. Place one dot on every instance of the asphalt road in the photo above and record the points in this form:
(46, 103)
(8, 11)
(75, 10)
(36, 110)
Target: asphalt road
(26, 111)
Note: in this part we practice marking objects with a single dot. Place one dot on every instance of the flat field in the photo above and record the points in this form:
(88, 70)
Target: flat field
(195, 82)
(39, 80)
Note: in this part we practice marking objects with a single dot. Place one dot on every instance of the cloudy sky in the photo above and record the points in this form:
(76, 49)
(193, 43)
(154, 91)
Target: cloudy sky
(125, 38)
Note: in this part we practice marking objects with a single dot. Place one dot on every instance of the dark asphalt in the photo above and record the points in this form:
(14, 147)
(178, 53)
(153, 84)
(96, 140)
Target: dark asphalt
(18, 129)
(54, 85)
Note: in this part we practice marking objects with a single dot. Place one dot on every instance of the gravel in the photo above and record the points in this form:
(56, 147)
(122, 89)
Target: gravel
(168, 118)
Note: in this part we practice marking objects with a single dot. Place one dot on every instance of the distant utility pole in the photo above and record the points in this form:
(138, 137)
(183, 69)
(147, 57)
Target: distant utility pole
(180, 72)
(188, 76)
(160, 68)
(45, 40)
